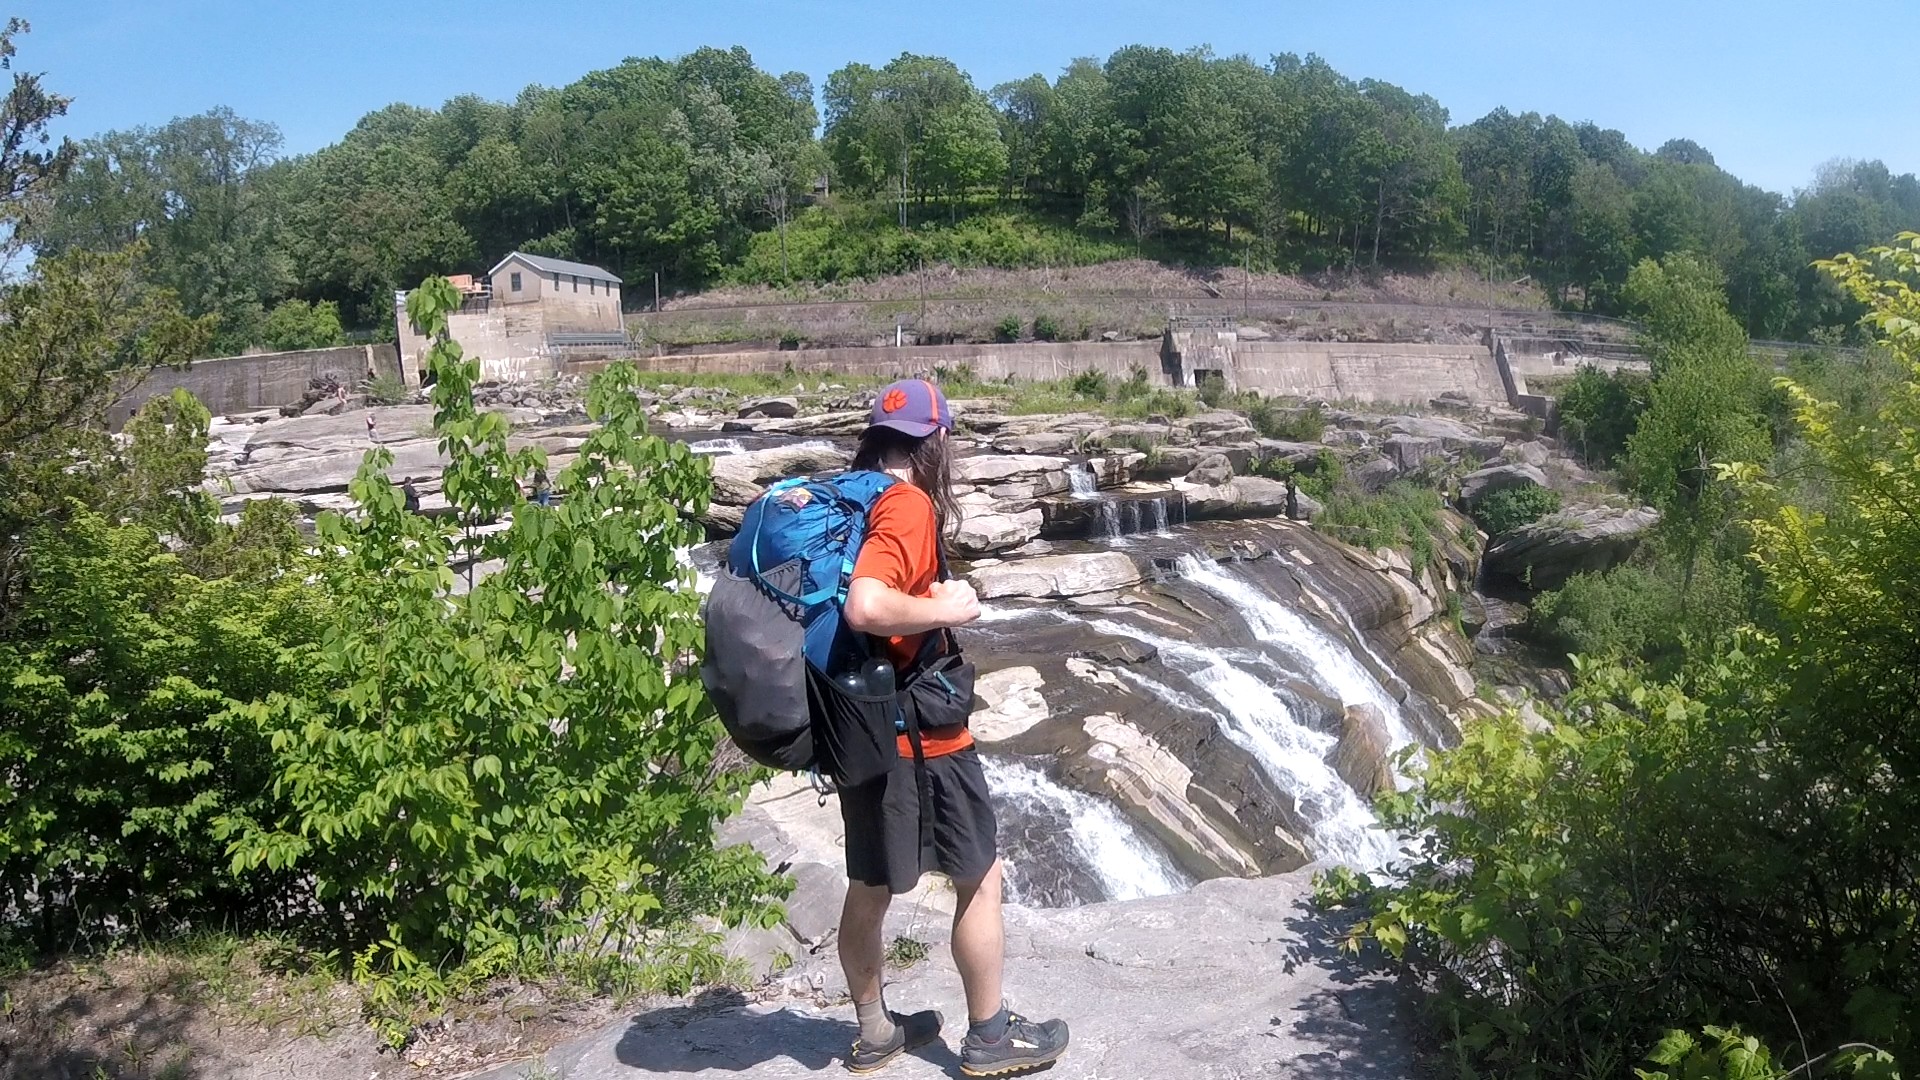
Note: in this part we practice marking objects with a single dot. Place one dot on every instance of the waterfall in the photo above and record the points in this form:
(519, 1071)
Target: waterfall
(1106, 524)
(718, 446)
(1255, 718)
(1109, 852)
(1324, 658)
(1129, 518)
(1160, 517)
(1081, 480)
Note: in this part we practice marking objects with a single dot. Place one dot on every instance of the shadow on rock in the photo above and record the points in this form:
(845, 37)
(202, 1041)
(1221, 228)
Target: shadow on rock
(719, 1031)
(1340, 1027)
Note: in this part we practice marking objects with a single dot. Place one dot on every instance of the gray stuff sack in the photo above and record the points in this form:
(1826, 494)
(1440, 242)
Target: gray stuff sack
(757, 677)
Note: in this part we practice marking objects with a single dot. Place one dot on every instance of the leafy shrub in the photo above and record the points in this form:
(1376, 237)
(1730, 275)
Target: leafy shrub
(1213, 391)
(791, 339)
(1273, 421)
(548, 779)
(1649, 609)
(1008, 329)
(385, 390)
(1402, 515)
(1046, 329)
(296, 324)
(1599, 412)
(1137, 385)
(1091, 385)
(1510, 508)
(116, 691)
(842, 242)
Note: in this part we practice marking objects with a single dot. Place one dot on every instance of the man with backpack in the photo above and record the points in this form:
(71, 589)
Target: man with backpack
(840, 586)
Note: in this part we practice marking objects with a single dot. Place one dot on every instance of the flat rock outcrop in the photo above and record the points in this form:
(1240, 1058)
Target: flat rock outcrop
(1237, 978)
(1057, 576)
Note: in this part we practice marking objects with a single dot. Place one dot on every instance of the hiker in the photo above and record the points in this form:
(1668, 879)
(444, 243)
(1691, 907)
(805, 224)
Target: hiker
(896, 595)
(542, 493)
(411, 495)
(370, 431)
(1293, 499)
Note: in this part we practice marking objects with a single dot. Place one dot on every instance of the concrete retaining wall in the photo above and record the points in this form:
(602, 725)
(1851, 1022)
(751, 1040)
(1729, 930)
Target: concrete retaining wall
(233, 384)
(1333, 371)
(1035, 361)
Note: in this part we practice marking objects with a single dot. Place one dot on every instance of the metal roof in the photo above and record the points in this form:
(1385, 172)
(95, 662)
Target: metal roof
(556, 266)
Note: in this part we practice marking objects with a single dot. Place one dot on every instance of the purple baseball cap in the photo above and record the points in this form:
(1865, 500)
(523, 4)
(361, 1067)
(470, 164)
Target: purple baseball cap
(913, 407)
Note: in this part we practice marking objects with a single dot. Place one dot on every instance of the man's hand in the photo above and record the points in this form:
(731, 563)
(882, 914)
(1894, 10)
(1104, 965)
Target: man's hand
(958, 603)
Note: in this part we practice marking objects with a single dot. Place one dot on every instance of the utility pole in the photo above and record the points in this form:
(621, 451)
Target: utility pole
(656, 292)
(1246, 281)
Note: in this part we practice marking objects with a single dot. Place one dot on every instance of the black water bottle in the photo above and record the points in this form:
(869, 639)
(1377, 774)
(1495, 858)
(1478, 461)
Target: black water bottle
(851, 682)
(877, 674)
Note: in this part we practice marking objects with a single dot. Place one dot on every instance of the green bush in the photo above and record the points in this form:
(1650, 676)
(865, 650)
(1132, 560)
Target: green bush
(1510, 508)
(1650, 609)
(1135, 386)
(1276, 422)
(1046, 329)
(117, 685)
(1402, 515)
(385, 390)
(1091, 385)
(1213, 391)
(296, 324)
(1599, 412)
(1007, 329)
(547, 775)
(848, 241)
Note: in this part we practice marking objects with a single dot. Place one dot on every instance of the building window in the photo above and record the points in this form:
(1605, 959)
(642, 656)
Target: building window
(515, 281)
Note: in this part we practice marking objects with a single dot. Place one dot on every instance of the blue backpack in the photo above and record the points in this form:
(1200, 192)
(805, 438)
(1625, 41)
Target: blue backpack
(773, 618)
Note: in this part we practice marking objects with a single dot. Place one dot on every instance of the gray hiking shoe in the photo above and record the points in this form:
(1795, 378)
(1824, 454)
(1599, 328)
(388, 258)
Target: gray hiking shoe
(1026, 1045)
(909, 1033)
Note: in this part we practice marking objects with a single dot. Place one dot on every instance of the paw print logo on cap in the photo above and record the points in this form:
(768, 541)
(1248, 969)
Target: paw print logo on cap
(894, 401)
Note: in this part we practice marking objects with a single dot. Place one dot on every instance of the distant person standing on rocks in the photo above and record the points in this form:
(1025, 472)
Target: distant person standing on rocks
(411, 495)
(370, 432)
(898, 593)
(542, 493)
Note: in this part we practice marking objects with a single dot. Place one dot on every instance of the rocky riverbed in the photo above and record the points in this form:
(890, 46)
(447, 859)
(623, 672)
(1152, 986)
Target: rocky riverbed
(1181, 681)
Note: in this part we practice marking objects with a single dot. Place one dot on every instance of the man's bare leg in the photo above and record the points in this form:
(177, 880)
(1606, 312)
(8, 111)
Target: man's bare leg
(979, 943)
(861, 957)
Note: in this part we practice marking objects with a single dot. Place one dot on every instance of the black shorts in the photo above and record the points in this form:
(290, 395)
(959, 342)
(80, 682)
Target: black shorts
(883, 824)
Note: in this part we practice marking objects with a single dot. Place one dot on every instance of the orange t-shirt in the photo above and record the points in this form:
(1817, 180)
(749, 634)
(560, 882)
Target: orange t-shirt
(902, 551)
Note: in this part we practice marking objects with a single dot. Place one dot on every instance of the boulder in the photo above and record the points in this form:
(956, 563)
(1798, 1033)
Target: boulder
(1363, 754)
(1213, 470)
(1409, 452)
(1298, 454)
(1545, 554)
(1144, 774)
(1532, 452)
(1376, 474)
(1052, 442)
(1475, 487)
(1056, 576)
(1168, 462)
(1215, 426)
(738, 479)
(1011, 703)
(1240, 497)
(1119, 651)
(981, 533)
(989, 469)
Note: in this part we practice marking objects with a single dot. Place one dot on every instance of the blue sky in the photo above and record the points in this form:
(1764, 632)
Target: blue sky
(1772, 88)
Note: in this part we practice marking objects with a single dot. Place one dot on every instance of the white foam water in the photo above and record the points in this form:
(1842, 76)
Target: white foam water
(1127, 864)
(718, 446)
(1081, 481)
(1257, 720)
(1325, 660)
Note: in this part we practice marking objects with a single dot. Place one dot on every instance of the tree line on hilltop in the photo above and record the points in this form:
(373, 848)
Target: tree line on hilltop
(708, 169)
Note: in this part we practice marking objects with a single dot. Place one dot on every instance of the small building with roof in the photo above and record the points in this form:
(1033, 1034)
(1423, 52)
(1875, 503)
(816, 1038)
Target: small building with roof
(526, 317)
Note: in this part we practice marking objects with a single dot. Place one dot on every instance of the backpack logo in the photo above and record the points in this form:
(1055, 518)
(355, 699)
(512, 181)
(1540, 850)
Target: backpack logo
(796, 498)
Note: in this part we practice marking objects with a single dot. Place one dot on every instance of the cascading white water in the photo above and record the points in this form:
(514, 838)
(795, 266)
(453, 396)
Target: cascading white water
(1107, 524)
(1259, 722)
(1159, 507)
(1126, 863)
(718, 446)
(1326, 660)
(1081, 481)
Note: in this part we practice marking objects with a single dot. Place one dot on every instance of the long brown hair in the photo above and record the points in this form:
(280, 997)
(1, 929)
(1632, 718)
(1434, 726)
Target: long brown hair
(929, 464)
